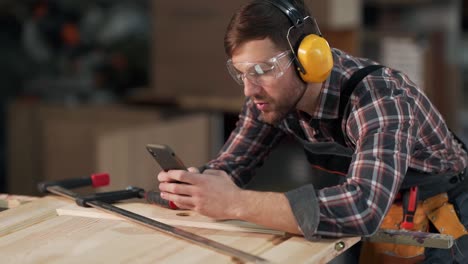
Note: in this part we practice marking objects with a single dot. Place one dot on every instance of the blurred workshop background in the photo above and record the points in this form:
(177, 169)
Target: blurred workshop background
(85, 85)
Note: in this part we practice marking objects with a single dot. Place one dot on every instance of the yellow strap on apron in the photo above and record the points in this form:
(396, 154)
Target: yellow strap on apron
(443, 216)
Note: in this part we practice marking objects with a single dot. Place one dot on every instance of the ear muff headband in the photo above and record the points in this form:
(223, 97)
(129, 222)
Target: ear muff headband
(291, 12)
(313, 59)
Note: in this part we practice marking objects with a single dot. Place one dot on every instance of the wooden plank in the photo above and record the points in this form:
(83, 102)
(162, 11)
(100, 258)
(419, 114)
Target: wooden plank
(253, 243)
(8, 201)
(296, 250)
(170, 217)
(30, 214)
(36, 233)
(71, 239)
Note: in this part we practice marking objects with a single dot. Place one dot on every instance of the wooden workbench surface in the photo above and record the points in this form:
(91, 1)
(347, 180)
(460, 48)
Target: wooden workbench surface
(55, 230)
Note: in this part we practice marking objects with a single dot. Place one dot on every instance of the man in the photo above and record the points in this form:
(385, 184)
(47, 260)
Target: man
(375, 132)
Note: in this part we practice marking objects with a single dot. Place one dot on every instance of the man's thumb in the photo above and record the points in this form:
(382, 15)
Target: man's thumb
(193, 170)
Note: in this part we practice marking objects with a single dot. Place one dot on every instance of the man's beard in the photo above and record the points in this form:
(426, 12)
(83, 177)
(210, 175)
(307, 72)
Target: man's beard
(276, 115)
(280, 110)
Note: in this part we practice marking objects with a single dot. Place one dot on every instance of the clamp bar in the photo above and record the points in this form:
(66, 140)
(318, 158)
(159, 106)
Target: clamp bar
(110, 197)
(404, 237)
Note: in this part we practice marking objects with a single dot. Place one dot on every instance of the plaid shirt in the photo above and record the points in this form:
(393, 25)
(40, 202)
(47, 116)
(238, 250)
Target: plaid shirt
(392, 126)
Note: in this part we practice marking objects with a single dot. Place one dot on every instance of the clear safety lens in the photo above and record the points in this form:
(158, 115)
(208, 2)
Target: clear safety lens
(259, 72)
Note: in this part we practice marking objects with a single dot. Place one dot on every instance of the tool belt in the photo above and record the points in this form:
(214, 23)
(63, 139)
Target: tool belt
(411, 213)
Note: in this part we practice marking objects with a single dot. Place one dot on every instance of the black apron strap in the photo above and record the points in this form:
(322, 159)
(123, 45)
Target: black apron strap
(324, 159)
(351, 85)
(459, 140)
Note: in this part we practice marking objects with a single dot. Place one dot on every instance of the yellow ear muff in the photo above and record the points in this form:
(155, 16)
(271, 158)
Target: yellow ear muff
(315, 55)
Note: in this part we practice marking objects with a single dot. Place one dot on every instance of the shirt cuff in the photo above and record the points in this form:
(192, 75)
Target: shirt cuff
(305, 207)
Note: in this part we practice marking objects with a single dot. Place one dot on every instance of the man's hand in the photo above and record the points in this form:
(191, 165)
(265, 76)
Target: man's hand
(212, 193)
(215, 195)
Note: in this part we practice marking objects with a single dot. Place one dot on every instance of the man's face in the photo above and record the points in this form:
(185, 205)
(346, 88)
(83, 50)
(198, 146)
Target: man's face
(274, 95)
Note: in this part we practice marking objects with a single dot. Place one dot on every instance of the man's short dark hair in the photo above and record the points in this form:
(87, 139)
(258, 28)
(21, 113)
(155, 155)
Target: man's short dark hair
(260, 19)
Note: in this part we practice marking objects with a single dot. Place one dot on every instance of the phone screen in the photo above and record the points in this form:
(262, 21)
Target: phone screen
(165, 157)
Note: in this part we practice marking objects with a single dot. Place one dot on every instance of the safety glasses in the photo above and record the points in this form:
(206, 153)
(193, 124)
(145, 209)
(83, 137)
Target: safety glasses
(260, 73)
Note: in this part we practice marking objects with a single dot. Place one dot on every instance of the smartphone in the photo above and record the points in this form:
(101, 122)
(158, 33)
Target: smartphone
(168, 160)
(165, 157)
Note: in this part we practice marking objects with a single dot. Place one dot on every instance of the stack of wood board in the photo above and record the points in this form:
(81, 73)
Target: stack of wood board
(188, 57)
(49, 142)
(194, 138)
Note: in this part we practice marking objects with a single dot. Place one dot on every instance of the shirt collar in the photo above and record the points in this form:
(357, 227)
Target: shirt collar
(329, 97)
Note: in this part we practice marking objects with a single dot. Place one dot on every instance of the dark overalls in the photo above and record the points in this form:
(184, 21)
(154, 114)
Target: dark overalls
(335, 157)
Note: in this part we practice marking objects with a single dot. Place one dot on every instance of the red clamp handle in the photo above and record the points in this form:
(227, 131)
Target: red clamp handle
(154, 197)
(410, 202)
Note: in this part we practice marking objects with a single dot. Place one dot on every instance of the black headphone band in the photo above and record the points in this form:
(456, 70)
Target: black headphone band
(289, 10)
(296, 19)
